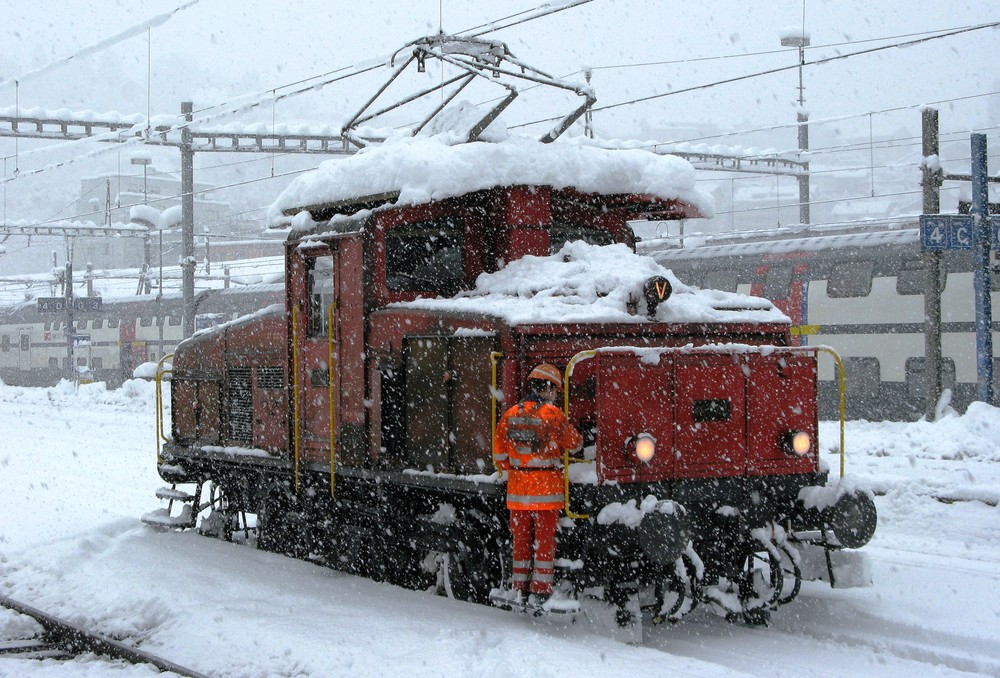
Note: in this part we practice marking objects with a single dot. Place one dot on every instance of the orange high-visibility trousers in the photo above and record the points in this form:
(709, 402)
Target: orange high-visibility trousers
(534, 534)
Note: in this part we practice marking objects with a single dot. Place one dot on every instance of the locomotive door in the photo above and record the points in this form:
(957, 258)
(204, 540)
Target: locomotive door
(316, 350)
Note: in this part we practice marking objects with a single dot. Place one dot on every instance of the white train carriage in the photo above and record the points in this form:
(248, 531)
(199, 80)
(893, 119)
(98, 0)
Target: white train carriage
(109, 344)
(863, 294)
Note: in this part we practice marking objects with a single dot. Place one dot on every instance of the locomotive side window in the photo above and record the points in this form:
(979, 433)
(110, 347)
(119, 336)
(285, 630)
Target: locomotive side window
(320, 295)
(778, 282)
(426, 255)
(850, 279)
(561, 233)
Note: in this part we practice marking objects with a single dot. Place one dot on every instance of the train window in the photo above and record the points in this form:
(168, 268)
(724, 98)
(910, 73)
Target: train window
(25, 342)
(862, 385)
(5, 343)
(725, 280)
(850, 278)
(561, 233)
(320, 295)
(96, 363)
(426, 255)
(203, 321)
(916, 381)
(996, 381)
(99, 323)
(81, 324)
(146, 321)
(778, 282)
(912, 278)
(159, 321)
(113, 321)
(53, 363)
(48, 327)
(174, 320)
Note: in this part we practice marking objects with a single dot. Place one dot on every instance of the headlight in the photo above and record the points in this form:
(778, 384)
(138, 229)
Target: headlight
(643, 447)
(796, 443)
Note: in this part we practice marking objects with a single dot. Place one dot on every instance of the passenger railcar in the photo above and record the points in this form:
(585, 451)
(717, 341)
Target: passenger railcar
(860, 291)
(112, 342)
(354, 426)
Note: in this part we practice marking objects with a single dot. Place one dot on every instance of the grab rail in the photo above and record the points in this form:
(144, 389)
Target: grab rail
(567, 460)
(159, 403)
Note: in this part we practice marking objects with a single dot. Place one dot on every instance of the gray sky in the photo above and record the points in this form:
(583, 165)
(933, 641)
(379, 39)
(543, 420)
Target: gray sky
(216, 50)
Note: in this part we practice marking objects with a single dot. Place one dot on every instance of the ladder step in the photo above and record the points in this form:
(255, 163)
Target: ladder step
(162, 518)
(173, 494)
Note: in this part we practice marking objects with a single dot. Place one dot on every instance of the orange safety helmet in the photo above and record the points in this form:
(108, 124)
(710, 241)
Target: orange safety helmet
(546, 372)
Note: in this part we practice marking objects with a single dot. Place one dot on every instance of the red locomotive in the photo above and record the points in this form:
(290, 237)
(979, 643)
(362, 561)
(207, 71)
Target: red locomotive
(424, 280)
(356, 423)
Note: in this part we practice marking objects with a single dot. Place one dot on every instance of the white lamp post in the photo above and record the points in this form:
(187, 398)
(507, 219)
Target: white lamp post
(801, 40)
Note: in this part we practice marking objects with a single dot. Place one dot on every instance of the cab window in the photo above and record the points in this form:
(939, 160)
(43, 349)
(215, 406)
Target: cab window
(425, 256)
(320, 295)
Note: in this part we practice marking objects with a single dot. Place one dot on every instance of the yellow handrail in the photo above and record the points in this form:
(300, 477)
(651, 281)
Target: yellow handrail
(330, 371)
(494, 358)
(295, 394)
(582, 355)
(159, 403)
(843, 407)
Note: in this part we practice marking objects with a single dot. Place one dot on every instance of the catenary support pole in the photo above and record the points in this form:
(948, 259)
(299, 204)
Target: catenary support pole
(980, 267)
(931, 169)
(187, 219)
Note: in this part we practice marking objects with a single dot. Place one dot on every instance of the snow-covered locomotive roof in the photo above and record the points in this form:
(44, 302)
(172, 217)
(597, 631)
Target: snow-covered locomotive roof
(589, 284)
(414, 170)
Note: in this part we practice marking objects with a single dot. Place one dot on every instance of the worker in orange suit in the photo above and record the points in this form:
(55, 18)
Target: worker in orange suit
(528, 444)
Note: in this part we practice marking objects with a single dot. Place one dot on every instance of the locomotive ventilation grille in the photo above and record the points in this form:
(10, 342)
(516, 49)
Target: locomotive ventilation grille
(271, 378)
(240, 406)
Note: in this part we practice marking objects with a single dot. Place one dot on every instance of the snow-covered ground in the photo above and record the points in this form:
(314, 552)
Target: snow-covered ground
(77, 471)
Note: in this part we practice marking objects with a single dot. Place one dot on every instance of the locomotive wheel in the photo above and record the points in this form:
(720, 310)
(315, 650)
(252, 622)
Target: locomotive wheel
(760, 584)
(679, 588)
(278, 531)
(223, 518)
(791, 575)
(476, 566)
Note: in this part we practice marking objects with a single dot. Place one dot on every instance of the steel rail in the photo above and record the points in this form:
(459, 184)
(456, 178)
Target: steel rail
(76, 640)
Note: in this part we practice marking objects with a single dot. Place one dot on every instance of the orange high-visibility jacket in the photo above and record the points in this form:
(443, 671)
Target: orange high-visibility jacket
(529, 442)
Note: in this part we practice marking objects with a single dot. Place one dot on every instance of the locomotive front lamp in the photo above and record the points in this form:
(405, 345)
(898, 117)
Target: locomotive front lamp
(796, 443)
(645, 447)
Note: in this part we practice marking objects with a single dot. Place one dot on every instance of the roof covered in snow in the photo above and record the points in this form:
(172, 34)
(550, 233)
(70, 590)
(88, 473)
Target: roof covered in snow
(414, 170)
(585, 283)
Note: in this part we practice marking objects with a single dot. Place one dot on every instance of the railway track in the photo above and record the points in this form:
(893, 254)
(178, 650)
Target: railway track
(65, 640)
